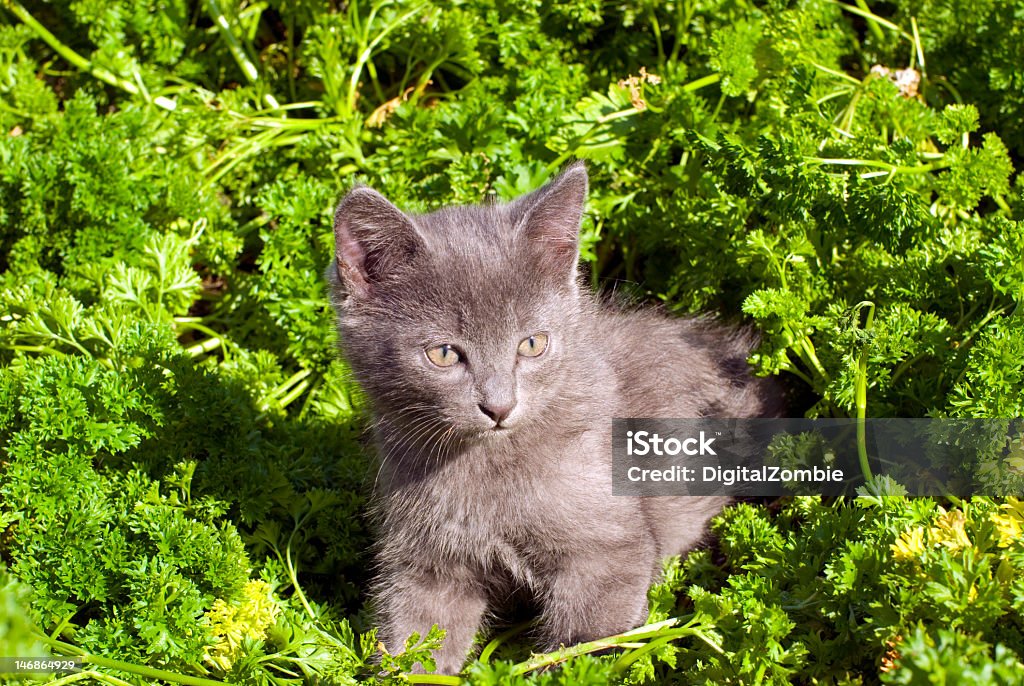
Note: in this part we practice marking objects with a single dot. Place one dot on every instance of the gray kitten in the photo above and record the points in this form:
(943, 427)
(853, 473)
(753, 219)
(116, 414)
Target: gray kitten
(493, 377)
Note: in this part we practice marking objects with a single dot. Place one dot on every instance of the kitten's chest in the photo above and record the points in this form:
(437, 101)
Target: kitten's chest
(514, 508)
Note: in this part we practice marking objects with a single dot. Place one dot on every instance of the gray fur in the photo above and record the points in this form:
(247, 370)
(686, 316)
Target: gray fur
(471, 515)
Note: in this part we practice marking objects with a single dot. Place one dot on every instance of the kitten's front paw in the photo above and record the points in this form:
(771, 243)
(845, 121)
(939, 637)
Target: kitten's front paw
(415, 602)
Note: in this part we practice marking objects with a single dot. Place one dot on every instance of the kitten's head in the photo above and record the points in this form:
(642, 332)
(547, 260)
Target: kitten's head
(460, 323)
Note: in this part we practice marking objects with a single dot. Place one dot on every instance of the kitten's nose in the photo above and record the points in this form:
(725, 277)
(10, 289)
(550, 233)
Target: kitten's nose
(497, 411)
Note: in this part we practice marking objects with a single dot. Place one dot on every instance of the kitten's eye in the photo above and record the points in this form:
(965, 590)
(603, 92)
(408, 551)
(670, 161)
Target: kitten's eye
(534, 345)
(443, 355)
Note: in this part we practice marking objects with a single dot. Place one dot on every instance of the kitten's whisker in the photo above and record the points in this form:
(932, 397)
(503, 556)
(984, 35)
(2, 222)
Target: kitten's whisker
(395, 446)
(420, 434)
(420, 417)
(445, 444)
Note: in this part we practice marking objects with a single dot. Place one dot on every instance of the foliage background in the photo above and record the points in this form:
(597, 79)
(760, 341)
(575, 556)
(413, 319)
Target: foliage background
(182, 477)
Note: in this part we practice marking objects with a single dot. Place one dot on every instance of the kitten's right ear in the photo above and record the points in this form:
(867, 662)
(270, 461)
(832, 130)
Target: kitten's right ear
(550, 219)
(372, 238)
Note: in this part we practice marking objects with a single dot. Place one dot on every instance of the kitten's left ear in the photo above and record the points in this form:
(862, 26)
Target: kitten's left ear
(550, 218)
(373, 240)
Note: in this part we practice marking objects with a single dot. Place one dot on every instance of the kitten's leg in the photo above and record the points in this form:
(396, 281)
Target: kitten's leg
(413, 601)
(597, 594)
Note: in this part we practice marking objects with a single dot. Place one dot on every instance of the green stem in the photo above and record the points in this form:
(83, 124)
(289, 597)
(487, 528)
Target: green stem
(293, 574)
(873, 26)
(139, 670)
(621, 114)
(697, 84)
(234, 47)
(294, 578)
(718, 109)
(425, 77)
(284, 122)
(150, 672)
(992, 314)
(795, 371)
(287, 107)
(433, 679)
(657, 631)
(371, 69)
(293, 394)
(310, 396)
(808, 354)
(195, 326)
(682, 24)
(870, 16)
(72, 341)
(656, 28)
(879, 164)
(918, 50)
(291, 52)
(292, 380)
(267, 139)
(836, 73)
(489, 649)
(204, 347)
(42, 349)
(629, 658)
(861, 395)
(77, 60)
(367, 53)
(88, 674)
(904, 366)
(64, 623)
(849, 113)
(832, 96)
